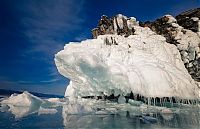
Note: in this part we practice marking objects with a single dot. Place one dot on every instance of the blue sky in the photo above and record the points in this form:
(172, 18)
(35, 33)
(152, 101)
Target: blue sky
(33, 31)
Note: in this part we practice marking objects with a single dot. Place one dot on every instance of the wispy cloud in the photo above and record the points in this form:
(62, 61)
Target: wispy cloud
(50, 81)
(25, 82)
(46, 25)
(48, 22)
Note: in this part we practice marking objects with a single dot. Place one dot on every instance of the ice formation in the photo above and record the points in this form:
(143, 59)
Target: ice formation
(183, 32)
(105, 112)
(24, 104)
(24, 100)
(55, 102)
(46, 111)
(142, 63)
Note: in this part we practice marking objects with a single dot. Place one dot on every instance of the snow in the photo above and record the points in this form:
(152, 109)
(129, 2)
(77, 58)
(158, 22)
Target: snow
(186, 38)
(132, 22)
(115, 25)
(118, 20)
(142, 63)
(195, 18)
(171, 19)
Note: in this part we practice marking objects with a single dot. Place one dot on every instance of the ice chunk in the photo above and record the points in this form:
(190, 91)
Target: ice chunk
(77, 108)
(55, 102)
(134, 103)
(23, 104)
(148, 120)
(23, 100)
(167, 114)
(121, 99)
(3, 108)
(19, 112)
(46, 111)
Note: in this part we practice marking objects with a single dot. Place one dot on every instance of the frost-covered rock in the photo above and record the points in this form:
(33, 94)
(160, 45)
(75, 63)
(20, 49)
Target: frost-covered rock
(184, 34)
(142, 63)
(182, 31)
(119, 24)
(189, 19)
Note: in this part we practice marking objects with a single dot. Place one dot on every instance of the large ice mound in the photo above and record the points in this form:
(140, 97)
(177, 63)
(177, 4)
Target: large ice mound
(142, 63)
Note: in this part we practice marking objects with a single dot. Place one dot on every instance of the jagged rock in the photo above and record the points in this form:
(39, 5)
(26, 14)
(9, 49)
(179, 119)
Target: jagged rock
(163, 27)
(110, 41)
(189, 19)
(118, 24)
(105, 26)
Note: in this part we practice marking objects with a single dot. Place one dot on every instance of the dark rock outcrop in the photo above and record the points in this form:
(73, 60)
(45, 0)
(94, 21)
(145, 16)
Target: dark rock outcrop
(162, 27)
(189, 19)
(105, 26)
(118, 24)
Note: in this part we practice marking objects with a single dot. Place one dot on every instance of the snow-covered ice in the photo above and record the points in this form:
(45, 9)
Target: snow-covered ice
(25, 100)
(142, 63)
(24, 104)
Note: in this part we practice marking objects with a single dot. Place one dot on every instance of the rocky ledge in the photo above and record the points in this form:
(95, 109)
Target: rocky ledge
(183, 31)
(119, 24)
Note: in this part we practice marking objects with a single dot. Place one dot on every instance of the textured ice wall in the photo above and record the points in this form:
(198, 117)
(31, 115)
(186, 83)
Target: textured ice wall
(142, 63)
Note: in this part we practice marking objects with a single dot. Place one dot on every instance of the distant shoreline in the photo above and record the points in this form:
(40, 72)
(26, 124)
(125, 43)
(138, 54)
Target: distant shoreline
(7, 93)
